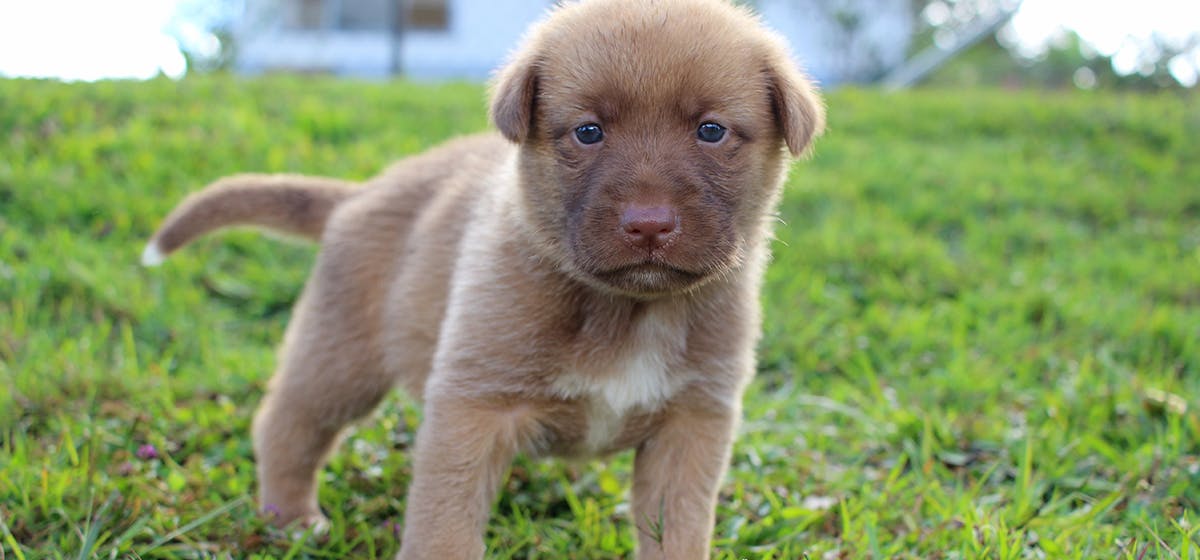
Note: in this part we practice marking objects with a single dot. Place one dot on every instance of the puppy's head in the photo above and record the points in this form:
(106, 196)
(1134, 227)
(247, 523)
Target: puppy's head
(654, 136)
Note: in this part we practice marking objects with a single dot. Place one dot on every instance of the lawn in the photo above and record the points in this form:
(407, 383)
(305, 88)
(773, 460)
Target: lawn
(982, 335)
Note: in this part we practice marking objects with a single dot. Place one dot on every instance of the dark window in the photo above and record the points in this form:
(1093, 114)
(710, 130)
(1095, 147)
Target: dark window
(365, 15)
(428, 14)
(308, 14)
(368, 15)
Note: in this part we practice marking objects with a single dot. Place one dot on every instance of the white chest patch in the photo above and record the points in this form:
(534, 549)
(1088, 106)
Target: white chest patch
(640, 379)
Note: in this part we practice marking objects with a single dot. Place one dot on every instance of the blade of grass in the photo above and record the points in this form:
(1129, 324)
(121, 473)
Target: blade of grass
(195, 523)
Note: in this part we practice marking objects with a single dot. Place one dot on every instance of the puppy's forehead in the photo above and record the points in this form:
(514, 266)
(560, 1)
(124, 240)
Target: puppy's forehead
(619, 55)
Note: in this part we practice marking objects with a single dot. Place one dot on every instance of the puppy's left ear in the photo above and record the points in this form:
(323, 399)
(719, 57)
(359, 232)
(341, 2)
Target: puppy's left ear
(798, 108)
(514, 92)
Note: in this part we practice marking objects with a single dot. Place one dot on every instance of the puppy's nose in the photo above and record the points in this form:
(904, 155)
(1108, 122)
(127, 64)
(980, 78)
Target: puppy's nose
(649, 227)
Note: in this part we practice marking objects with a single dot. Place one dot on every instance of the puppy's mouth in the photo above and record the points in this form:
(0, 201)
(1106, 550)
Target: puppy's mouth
(649, 277)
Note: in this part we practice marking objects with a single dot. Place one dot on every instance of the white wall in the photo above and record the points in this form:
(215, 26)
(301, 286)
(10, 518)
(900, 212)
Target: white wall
(829, 54)
(482, 32)
(356, 54)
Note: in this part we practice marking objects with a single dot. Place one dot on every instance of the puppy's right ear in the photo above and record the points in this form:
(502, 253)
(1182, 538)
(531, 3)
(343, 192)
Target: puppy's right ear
(514, 93)
(797, 104)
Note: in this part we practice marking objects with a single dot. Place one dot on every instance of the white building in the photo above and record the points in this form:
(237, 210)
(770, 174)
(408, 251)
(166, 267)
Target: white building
(836, 40)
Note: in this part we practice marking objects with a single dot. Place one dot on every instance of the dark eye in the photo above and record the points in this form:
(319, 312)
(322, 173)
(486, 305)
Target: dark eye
(710, 132)
(589, 134)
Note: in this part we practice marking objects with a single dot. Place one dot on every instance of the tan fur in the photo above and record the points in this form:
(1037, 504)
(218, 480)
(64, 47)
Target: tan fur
(491, 277)
(294, 204)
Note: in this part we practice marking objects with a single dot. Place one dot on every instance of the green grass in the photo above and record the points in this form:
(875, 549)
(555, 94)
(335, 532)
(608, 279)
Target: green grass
(982, 332)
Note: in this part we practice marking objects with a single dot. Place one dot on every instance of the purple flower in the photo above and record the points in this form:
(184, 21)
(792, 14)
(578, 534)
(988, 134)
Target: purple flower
(272, 510)
(147, 452)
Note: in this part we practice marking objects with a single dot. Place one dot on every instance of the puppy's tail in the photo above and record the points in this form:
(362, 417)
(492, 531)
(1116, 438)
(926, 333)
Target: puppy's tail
(295, 204)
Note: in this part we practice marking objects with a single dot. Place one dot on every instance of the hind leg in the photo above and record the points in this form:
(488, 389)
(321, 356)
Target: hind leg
(328, 377)
(332, 369)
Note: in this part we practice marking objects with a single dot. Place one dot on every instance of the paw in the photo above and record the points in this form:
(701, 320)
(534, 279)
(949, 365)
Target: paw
(315, 525)
(297, 524)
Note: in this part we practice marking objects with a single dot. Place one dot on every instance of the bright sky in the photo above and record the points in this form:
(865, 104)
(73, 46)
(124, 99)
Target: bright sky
(1124, 30)
(93, 39)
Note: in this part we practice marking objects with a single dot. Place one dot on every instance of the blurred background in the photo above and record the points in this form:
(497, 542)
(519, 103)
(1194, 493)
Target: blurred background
(1153, 44)
(980, 318)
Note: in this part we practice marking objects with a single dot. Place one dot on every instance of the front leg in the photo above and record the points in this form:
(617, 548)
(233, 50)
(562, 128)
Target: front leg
(463, 448)
(677, 473)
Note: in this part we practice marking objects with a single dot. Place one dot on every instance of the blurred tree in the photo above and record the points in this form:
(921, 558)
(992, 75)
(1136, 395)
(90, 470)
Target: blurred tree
(1068, 61)
(861, 60)
(204, 32)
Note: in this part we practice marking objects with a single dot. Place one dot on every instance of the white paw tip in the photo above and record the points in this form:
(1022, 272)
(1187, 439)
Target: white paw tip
(319, 526)
(152, 256)
(315, 526)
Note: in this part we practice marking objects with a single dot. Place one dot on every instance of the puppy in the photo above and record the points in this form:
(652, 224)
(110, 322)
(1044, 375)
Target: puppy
(584, 282)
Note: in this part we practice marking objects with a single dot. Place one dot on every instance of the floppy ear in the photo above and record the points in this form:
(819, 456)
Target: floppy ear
(799, 110)
(513, 94)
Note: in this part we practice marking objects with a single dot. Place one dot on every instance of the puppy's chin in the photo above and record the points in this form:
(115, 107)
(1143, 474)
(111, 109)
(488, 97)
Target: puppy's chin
(648, 279)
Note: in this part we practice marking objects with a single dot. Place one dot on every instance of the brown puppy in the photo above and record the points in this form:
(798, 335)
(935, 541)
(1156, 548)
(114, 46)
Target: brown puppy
(584, 284)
